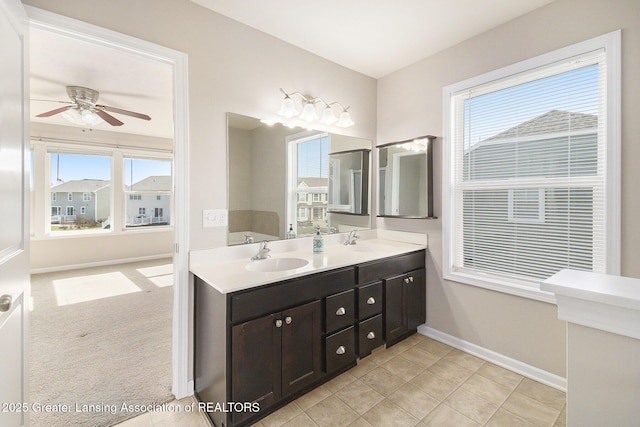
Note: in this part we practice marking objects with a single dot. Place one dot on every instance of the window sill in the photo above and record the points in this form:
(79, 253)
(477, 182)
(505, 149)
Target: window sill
(503, 285)
(60, 235)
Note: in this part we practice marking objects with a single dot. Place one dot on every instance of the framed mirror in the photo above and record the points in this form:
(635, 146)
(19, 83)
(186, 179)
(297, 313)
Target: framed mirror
(348, 186)
(405, 173)
(279, 178)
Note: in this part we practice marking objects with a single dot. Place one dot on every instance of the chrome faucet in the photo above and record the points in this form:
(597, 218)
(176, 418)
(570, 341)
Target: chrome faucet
(263, 253)
(352, 237)
(248, 238)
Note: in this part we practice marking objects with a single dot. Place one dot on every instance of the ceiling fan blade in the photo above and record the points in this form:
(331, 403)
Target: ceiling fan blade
(108, 118)
(56, 111)
(125, 112)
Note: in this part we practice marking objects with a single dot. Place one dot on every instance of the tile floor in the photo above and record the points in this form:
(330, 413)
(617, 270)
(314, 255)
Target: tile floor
(418, 382)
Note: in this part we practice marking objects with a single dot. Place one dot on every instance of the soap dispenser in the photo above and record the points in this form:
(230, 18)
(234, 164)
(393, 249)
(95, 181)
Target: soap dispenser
(291, 234)
(318, 244)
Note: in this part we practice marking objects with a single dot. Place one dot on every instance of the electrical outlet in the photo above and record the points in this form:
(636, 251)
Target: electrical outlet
(214, 218)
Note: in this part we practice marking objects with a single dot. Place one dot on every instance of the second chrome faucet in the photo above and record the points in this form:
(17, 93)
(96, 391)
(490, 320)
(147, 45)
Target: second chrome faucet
(263, 253)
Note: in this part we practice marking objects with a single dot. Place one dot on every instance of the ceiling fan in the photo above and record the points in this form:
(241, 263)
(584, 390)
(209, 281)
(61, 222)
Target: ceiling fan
(84, 108)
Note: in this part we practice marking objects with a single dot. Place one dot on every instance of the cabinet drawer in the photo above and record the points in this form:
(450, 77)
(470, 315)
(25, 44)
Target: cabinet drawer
(339, 311)
(340, 349)
(369, 300)
(370, 335)
(376, 270)
(253, 303)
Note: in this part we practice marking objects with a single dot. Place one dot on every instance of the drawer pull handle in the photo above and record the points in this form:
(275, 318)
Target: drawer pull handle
(278, 323)
(287, 320)
(411, 279)
(371, 335)
(406, 280)
(341, 350)
(371, 301)
(341, 311)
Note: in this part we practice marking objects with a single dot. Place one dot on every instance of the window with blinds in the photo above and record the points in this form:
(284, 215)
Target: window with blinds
(527, 181)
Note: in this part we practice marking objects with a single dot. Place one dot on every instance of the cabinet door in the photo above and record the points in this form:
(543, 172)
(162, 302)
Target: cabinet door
(395, 319)
(256, 364)
(301, 346)
(415, 299)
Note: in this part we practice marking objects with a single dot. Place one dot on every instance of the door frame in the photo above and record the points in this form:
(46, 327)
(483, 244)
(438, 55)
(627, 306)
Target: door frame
(38, 18)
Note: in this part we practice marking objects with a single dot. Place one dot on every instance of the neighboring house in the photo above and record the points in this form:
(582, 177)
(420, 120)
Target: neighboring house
(149, 201)
(77, 200)
(542, 149)
(312, 204)
(89, 200)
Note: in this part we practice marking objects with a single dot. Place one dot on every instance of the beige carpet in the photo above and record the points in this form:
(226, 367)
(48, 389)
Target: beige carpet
(100, 338)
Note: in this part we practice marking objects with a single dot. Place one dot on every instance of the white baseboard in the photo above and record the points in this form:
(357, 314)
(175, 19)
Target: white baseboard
(536, 374)
(98, 264)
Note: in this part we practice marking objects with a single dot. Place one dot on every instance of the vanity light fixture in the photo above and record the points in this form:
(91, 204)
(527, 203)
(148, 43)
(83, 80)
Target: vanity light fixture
(309, 113)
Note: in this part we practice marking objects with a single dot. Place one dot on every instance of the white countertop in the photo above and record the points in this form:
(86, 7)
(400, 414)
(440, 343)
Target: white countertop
(224, 268)
(602, 301)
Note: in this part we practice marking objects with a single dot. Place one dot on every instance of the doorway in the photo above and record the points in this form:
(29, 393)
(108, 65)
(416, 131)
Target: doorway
(82, 32)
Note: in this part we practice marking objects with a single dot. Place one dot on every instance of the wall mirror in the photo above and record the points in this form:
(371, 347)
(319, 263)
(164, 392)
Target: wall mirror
(281, 178)
(405, 171)
(348, 191)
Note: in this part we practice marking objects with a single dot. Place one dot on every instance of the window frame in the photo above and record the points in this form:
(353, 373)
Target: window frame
(292, 198)
(40, 217)
(610, 43)
(137, 195)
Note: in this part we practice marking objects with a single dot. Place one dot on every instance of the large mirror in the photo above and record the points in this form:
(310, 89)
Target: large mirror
(282, 181)
(406, 178)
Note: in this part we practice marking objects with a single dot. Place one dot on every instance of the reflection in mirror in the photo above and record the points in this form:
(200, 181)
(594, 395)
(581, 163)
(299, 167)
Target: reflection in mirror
(279, 177)
(348, 192)
(406, 178)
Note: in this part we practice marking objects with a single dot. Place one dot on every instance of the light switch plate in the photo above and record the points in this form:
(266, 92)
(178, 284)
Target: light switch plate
(214, 218)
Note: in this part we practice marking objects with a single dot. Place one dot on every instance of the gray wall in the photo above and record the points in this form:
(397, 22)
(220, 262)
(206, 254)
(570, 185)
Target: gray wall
(523, 329)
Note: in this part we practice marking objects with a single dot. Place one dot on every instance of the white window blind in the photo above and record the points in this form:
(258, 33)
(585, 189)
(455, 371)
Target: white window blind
(528, 172)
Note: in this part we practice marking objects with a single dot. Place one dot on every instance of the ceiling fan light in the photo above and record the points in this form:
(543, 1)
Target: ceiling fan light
(288, 109)
(345, 120)
(309, 112)
(89, 117)
(328, 116)
(73, 115)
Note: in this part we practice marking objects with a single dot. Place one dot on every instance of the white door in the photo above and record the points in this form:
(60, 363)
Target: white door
(14, 235)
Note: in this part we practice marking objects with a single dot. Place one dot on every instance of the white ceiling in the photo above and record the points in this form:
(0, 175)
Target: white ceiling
(374, 37)
(124, 80)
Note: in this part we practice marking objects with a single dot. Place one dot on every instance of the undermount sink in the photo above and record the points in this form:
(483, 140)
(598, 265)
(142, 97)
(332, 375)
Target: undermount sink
(271, 265)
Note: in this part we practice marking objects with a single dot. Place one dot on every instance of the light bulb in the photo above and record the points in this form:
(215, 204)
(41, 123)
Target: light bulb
(88, 117)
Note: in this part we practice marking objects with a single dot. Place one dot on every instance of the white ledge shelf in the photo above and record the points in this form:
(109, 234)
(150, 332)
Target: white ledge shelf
(601, 301)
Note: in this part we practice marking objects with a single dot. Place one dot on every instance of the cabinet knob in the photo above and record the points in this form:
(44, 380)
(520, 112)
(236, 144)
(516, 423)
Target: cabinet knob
(341, 350)
(287, 320)
(5, 303)
(341, 311)
(371, 335)
(278, 323)
(406, 280)
(411, 279)
(371, 301)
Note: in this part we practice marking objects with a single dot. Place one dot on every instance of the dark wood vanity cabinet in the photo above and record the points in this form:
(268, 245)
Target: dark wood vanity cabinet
(404, 305)
(404, 293)
(272, 343)
(276, 355)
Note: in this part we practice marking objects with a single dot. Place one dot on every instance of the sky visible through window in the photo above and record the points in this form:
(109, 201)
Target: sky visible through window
(70, 167)
(573, 91)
